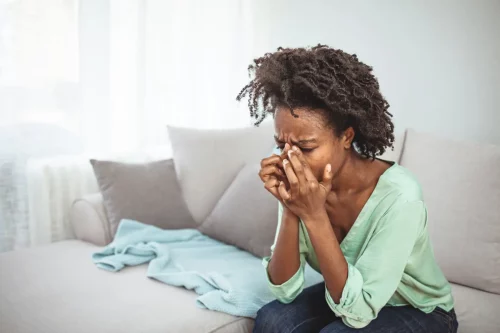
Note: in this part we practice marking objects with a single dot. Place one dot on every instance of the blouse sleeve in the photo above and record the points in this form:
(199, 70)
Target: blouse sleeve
(374, 278)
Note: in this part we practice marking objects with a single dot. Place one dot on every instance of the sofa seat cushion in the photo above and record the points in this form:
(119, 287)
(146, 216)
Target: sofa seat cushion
(57, 288)
(477, 311)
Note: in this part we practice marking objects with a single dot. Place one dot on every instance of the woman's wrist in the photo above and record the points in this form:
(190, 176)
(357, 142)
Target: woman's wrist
(318, 216)
(289, 216)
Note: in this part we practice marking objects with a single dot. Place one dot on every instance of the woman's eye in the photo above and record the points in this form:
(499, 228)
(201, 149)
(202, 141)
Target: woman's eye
(305, 150)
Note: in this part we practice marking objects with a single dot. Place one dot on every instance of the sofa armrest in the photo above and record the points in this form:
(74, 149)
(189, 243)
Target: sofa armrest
(89, 220)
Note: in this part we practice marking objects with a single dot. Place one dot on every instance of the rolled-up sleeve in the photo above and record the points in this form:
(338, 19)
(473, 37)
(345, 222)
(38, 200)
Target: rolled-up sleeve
(290, 289)
(375, 276)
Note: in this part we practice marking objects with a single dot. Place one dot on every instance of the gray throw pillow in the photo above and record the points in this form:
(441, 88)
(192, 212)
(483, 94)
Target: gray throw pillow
(146, 192)
(246, 216)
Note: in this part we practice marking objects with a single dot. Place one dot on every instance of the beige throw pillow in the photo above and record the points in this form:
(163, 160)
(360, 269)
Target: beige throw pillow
(207, 161)
(246, 216)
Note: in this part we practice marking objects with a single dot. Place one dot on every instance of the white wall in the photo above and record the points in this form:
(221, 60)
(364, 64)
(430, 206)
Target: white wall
(438, 62)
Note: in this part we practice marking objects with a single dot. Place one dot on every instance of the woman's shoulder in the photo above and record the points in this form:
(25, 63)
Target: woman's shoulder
(400, 183)
(401, 199)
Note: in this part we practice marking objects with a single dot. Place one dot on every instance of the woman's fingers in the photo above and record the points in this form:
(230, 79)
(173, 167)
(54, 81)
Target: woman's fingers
(283, 193)
(326, 182)
(272, 173)
(272, 186)
(305, 166)
(270, 170)
(298, 168)
(293, 181)
(273, 159)
(272, 182)
(284, 154)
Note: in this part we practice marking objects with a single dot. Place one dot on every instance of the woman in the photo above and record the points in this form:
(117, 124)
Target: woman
(358, 220)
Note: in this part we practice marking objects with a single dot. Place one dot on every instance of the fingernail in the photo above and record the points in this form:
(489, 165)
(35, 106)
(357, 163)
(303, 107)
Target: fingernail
(281, 183)
(289, 153)
(285, 161)
(295, 148)
(328, 168)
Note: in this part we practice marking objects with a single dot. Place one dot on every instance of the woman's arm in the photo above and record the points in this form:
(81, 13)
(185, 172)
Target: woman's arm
(369, 283)
(331, 260)
(285, 261)
(285, 266)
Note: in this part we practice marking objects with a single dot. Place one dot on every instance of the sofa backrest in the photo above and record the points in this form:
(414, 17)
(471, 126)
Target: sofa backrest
(461, 186)
(395, 154)
(207, 161)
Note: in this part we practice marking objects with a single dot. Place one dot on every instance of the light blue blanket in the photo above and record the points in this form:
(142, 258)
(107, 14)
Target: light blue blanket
(226, 278)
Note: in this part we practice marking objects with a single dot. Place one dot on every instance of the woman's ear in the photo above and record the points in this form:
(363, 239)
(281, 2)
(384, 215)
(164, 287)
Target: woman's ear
(348, 137)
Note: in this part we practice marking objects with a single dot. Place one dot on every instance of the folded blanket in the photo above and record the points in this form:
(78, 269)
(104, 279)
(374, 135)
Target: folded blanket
(227, 279)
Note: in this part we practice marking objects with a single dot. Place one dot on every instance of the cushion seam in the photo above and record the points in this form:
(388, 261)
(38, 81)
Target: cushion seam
(222, 196)
(226, 324)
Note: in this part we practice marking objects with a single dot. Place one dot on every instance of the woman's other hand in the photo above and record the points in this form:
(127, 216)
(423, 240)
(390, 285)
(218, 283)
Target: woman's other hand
(305, 196)
(272, 173)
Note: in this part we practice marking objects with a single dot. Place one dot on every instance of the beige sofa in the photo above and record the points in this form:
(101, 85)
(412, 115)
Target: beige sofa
(57, 288)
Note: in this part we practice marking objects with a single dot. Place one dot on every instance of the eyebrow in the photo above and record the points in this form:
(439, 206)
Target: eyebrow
(304, 141)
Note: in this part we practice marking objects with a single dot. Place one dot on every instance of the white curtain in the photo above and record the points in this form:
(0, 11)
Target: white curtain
(99, 77)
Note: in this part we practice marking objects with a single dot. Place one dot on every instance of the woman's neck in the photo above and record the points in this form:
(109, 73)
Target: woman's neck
(352, 187)
(355, 174)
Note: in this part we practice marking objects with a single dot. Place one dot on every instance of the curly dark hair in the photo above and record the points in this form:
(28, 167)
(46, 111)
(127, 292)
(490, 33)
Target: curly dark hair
(326, 79)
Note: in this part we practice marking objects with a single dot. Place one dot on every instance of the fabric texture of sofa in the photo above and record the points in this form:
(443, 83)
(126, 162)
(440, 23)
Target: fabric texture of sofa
(57, 288)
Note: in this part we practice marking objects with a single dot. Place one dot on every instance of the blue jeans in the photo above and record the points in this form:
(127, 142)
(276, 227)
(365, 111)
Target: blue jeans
(310, 313)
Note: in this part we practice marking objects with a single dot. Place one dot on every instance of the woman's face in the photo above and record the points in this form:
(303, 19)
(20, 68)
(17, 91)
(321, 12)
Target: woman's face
(316, 140)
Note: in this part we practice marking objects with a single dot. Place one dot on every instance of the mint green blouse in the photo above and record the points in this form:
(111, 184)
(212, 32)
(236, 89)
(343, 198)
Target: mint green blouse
(388, 252)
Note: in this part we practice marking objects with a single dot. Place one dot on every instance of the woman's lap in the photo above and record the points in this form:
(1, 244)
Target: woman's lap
(399, 320)
(310, 313)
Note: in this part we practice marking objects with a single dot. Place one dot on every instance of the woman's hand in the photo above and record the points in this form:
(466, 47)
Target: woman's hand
(306, 196)
(272, 173)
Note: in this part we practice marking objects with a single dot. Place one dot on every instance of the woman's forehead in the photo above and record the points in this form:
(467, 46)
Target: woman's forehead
(308, 126)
